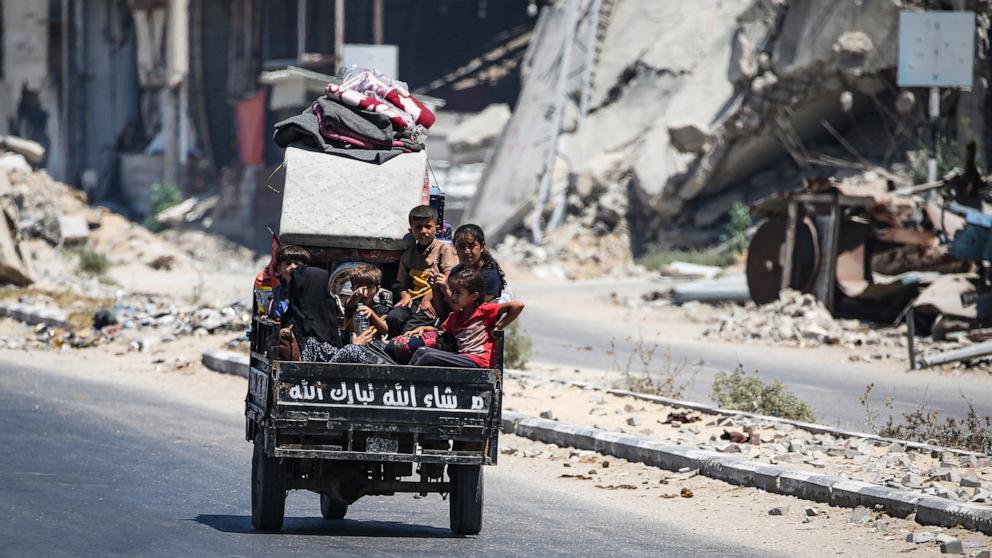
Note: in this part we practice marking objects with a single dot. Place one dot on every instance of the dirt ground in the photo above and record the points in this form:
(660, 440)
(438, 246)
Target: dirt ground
(715, 511)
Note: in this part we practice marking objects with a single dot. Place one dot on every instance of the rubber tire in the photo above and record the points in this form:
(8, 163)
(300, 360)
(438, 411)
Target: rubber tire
(268, 490)
(332, 509)
(467, 496)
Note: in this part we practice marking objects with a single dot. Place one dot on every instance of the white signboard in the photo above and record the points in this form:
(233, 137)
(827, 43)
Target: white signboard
(936, 49)
(385, 58)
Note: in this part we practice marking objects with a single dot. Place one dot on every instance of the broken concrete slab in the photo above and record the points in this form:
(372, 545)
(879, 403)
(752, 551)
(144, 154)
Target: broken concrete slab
(14, 267)
(471, 140)
(74, 228)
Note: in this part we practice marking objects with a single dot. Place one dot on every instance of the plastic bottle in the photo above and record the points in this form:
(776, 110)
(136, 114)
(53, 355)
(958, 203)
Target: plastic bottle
(360, 321)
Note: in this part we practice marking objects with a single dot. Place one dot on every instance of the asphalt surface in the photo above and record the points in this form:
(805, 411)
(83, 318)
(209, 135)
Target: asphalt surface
(88, 470)
(582, 339)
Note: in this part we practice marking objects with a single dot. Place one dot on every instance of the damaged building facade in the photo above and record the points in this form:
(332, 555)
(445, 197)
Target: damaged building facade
(642, 123)
(124, 94)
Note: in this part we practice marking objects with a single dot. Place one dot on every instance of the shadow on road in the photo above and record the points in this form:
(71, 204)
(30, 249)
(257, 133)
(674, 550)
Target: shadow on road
(313, 526)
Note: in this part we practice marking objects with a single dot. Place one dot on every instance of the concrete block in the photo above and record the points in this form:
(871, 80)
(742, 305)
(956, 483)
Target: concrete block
(35, 316)
(947, 513)
(227, 362)
(807, 486)
(338, 202)
(74, 229)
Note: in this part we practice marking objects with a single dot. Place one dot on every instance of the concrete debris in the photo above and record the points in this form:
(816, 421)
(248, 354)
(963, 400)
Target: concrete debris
(691, 271)
(74, 229)
(692, 103)
(969, 479)
(860, 515)
(472, 139)
(728, 289)
(142, 321)
(951, 547)
(921, 537)
(796, 319)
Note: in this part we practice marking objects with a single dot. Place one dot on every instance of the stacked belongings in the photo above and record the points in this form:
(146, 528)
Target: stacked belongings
(367, 116)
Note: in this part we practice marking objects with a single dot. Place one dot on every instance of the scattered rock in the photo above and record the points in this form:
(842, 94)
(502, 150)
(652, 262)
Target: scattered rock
(951, 547)
(779, 510)
(686, 493)
(921, 537)
(969, 479)
(860, 515)
(812, 512)
(547, 415)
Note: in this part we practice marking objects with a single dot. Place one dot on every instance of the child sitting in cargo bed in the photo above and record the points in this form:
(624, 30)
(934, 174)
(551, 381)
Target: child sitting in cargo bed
(429, 257)
(364, 302)
(471, 323)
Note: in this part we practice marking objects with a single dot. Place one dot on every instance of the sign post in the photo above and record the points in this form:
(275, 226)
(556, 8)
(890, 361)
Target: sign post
(936, 49)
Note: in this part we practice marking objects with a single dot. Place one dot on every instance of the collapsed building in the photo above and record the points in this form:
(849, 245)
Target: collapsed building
(646, 121)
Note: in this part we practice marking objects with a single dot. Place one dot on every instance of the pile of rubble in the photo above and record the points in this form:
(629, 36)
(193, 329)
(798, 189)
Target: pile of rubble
(142, 322)
(800, 320)
(573, 251)
(683, 109)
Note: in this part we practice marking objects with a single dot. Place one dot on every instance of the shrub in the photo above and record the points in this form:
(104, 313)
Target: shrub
(163, 197)
(735, 233)
(667, 379)
(657, 258)
(748, 392)
(923, 424)
(92, 263)
(517, 347)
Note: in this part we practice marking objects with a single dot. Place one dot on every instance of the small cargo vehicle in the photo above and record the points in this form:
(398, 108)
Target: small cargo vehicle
(346, 431)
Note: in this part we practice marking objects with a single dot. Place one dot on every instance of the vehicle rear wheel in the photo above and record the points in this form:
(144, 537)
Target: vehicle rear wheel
(467, 496)
(268, 489)
(331, 508)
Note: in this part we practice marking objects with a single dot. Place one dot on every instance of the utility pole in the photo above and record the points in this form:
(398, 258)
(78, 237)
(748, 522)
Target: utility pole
(338, 34)
(301, 29)
(173, 117)
(377, 17)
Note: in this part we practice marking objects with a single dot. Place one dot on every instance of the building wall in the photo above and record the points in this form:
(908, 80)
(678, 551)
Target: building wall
(28, 90)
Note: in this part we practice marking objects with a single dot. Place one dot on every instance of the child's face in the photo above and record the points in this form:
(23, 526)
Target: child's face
(423, 230)
(285, 270)
(469, 252)
(462, 298)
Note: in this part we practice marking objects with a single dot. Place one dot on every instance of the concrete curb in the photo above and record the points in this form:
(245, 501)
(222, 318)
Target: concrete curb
(227, 362)
(742, 472)
(714, 410)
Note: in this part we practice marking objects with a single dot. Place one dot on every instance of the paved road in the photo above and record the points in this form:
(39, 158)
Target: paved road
(91, 471)
(833, 388)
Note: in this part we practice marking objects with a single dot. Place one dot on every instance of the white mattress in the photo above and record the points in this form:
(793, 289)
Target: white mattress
(337, 202)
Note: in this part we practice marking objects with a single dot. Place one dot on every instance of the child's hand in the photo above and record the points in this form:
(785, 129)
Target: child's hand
(428, 308)
(365, 338)
(365, 311)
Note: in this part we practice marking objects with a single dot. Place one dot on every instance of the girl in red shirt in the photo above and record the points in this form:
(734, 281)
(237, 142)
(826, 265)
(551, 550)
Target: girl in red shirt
(471, 323)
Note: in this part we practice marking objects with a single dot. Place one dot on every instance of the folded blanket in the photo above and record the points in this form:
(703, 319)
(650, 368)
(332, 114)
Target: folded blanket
(400, 119)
